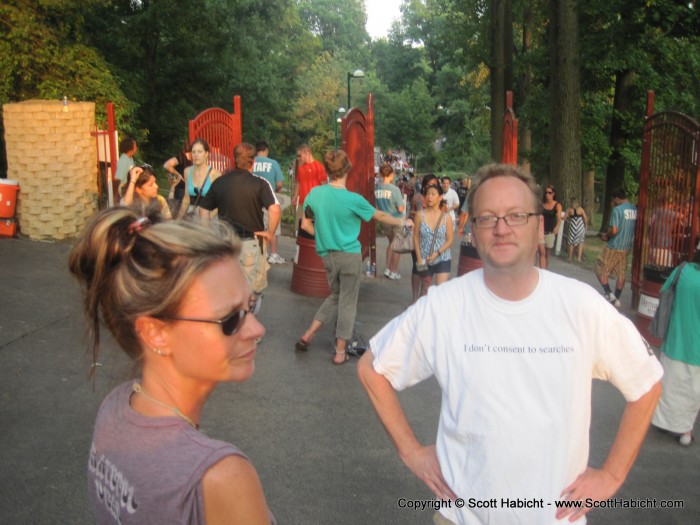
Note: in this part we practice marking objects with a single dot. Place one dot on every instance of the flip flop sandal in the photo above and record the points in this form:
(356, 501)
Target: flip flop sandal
(301, 346)
(345, 360)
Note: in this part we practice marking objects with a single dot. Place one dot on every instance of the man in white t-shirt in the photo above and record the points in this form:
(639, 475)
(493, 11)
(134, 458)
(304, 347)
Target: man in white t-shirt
(514, 349)
(451, 198)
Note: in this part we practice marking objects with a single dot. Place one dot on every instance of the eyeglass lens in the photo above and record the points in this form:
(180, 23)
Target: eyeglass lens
(231, 324)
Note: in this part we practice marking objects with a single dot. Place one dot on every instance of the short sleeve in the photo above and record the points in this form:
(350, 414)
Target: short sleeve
(267, 195)
(363, 208)
(625, 359)
(399, 349)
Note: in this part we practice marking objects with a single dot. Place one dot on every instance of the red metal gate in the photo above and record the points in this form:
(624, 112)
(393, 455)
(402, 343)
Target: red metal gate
(222, 131)
(667, 209)
(510, 133)
(106, 143)
(358, 144)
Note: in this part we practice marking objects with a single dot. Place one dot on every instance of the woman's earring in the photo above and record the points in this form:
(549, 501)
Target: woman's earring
(159, 352)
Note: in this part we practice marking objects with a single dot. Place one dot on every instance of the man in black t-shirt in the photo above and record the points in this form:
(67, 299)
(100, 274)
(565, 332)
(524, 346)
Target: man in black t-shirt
(240, 198)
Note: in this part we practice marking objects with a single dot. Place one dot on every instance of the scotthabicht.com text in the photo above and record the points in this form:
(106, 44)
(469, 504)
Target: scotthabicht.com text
(535, 503)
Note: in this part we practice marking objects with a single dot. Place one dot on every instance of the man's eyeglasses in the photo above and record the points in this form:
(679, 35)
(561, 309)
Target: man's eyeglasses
(486, 222)
(229, 324)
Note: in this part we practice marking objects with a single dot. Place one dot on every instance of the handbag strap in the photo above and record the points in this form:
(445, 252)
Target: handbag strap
(201, 189)
(678, 274)
(437, 225)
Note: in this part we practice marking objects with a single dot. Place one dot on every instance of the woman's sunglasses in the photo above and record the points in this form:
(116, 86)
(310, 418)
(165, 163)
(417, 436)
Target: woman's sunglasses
(229, 324)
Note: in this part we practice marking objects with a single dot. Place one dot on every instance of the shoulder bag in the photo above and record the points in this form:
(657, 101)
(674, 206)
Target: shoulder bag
(403, 240)
(659, 324)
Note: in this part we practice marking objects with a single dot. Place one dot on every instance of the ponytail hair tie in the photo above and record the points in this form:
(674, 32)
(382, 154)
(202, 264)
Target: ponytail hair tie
(138, 225)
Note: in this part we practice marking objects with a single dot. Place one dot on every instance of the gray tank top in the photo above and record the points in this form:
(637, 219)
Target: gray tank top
(148, 469)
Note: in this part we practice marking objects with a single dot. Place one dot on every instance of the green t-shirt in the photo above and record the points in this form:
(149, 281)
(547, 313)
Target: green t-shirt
(337, 216)
(683, 334)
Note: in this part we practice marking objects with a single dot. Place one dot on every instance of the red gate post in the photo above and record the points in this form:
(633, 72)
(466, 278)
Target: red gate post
(358, 144)
(510, 133)
(112, 138)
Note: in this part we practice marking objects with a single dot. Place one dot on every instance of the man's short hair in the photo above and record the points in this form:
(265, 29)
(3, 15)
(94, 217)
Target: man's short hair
(126, 145)
(261, 145)
(303, 148)
(491, 171)
(445, 178)
(244, 155)
(619, 193)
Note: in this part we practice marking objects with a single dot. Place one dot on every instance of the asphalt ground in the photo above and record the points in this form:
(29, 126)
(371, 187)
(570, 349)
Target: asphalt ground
(322, 455)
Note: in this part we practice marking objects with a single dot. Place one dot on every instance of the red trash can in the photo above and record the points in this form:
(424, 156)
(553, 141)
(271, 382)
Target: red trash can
(309, 273)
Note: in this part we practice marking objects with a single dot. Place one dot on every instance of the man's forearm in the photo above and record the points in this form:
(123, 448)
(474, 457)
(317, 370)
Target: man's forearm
(274, 215)
(386, 403)
(630, 435)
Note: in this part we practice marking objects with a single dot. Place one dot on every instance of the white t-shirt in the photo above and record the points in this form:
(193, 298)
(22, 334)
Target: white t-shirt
(452, 200)
(516, 381)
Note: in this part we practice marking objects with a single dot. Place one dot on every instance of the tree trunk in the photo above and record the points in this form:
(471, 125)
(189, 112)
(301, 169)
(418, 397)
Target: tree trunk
(498, 92)
(565, 88)
(526, 83)
(588, 195)
(615, 174)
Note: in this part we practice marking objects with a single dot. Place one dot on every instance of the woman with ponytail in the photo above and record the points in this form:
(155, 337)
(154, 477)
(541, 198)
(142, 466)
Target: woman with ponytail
(175, 299)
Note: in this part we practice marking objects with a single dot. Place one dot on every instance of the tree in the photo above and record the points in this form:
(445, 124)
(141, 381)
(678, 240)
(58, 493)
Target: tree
(564, 107)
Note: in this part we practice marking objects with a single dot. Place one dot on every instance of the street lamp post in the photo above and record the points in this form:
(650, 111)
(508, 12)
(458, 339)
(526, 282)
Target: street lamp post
(336, 120)
(358, 73)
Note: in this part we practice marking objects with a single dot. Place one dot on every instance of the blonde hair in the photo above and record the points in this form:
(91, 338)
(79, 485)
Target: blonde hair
(504, 170)
(131, 266)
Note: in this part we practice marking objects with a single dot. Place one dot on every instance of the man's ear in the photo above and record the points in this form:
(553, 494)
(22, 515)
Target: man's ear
(151, 332)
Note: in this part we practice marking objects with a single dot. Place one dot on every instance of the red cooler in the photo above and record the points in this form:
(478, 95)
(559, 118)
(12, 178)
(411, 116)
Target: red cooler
(8, 198)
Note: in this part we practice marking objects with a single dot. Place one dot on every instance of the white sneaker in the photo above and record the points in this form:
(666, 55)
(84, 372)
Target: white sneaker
(686, 439)
(274, 258)
(394, 276)
(387, 273)
(612, 300)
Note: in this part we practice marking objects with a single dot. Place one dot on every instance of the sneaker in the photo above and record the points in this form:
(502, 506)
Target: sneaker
(387, 273)
(686, 439)
(613, 300)
(275, 258)
(394, 276)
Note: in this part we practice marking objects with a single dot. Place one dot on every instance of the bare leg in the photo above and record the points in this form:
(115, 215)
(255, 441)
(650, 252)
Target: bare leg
(395, 261)
(311, 331)
(273, 244)
(340, 345)
(415, 286)
(579, 252)
(571, 252)
(441, 278)
(389, 254)
(541, 252)
(426, 283)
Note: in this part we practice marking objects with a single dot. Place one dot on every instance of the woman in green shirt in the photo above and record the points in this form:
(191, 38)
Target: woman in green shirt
(680, 401)
(333, 214)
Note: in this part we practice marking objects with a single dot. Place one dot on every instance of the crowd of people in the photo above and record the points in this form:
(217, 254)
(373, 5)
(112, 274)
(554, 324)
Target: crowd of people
(524, 359)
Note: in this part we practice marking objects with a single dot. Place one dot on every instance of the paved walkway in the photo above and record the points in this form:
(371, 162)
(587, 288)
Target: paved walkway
(321, 453)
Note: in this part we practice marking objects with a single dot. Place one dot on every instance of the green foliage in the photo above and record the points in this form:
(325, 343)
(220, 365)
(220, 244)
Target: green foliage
(163, 61)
